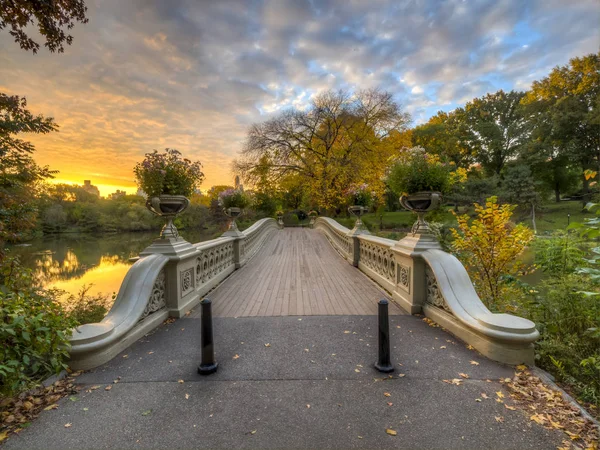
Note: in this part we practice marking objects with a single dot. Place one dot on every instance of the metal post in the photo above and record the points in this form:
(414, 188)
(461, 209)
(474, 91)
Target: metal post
(208, 364)
(384, 364)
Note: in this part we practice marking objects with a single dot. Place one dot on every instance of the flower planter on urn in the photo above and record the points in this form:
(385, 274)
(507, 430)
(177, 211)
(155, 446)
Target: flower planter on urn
(421, 203)
(168, 206)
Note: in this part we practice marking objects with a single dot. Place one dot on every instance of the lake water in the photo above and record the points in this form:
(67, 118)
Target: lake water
(70, 261)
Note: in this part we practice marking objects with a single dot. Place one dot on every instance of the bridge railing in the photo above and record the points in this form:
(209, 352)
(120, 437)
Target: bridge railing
(422, 278)
(169, 279)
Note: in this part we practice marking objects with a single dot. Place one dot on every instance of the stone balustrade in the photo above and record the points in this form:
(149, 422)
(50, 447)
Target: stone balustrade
(169, 279)
(422, 278)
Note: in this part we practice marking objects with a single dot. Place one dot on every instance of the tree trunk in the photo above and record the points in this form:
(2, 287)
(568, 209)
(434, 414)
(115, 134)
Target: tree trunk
(586, 190)
(557, 193)
(533, 217)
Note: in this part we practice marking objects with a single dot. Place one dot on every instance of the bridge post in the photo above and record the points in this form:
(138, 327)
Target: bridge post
(208, 364)
(384, 363)
(411, 285)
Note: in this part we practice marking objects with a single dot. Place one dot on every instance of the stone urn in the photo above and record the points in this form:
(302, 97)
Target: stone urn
(233, 213)
(168, 206)
(312, 215)
(358, 211)
(421, 203)
(280, 220)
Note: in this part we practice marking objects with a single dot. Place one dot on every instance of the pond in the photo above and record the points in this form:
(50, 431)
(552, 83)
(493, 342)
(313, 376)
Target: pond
(71, 260)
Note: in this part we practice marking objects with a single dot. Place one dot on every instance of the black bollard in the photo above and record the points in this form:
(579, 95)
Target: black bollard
(384, 364)
(208, 364)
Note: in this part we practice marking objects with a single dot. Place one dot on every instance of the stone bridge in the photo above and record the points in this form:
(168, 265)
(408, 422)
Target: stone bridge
(327, 270)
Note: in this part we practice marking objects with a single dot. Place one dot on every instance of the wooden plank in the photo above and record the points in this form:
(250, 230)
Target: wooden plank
(297, 272)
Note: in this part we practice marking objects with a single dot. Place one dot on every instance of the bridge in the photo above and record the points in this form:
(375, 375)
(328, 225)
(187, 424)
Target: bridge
(326, 270)
(295, 330)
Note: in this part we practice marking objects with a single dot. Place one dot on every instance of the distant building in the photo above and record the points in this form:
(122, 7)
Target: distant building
(90, 188)
(238, 185)
(117, 195)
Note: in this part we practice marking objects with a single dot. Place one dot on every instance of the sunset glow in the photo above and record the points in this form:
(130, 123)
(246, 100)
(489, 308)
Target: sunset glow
(146, 75)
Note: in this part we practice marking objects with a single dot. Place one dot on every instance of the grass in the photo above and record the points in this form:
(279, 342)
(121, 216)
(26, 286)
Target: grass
(550, 217)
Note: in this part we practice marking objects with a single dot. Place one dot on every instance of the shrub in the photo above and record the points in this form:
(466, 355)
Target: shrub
(417, 171)
(168, 173)
(85, 308)
(233, 198)
(291, 220)
(360, 195)
(489, 246)
(34, 329)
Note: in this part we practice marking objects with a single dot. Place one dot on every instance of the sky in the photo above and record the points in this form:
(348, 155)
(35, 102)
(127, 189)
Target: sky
(194, 75)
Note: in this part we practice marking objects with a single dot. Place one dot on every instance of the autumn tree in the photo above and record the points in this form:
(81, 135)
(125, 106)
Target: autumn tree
(52, 18)
(489, 246)
(335, 142)
(566, 106)
(497, 128)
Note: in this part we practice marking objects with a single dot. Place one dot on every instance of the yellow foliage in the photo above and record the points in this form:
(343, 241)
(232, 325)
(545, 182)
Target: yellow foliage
(489, 246)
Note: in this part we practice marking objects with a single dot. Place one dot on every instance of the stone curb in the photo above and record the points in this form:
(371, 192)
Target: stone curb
(549, 380)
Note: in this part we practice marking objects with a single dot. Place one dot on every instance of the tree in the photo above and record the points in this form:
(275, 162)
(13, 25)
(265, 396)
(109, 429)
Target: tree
(446, 135)
(20, 176)
(336, 142)
(52, 16)
(489, 246)
(567, 104)
(497, 128)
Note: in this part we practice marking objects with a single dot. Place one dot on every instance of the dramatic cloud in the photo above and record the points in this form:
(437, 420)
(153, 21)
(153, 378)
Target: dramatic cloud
(194, 75)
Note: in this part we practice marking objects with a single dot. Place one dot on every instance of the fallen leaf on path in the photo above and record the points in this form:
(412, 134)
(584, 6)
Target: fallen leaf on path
(390, 404)
(346, 332)
(357, 371)
(187, 396)
(484, 395)
(51, 407)
(512, 408)
(72, 398)
(499, 419)
(474, 363)
(236, 356)
(93, 388)
(401, 375)
(477, 399)
(180, 381)
(464, 375)
(68, 425)
(150, 353)
(147, 412)
(307, 406)
(387, 394)
(391, 432)
(267, 345)
(108, 388)
(500, 394)
(443, 346)
(470, 347)
(125, 356)
(3, 435)
(521, 367)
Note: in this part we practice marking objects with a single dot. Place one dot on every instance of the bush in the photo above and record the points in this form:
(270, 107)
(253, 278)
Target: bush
(291, 220)
(418, 171)
(85, 308)
(34, 329)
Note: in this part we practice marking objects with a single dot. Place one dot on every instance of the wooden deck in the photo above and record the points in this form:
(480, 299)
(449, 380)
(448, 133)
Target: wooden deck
(297, 272)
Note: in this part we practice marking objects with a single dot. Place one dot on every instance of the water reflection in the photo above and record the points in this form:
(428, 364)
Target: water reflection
(70, 261)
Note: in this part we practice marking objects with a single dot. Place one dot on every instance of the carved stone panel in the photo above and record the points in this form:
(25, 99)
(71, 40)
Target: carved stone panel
(434, 296)
(157, 297)
(403, 277)
(187, 281)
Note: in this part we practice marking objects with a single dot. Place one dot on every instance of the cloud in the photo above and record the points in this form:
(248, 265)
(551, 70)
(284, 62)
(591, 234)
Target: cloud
(194, 75)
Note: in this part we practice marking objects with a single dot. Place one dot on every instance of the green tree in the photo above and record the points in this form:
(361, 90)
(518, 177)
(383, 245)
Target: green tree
(497, 128)
(567, 103)
(446, 135)
(20, 176)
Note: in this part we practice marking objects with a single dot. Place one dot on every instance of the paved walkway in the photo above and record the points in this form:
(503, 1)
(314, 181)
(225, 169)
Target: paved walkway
(312, 386)
(297, 272)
